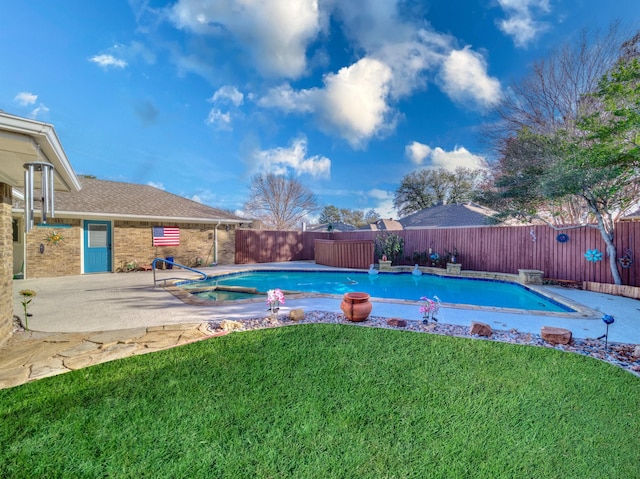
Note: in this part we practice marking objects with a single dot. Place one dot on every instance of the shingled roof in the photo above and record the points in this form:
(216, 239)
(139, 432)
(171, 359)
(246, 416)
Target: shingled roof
(114, 199)
(448, 216)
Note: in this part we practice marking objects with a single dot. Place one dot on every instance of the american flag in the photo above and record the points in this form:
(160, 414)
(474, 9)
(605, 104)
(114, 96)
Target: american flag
(166, 236)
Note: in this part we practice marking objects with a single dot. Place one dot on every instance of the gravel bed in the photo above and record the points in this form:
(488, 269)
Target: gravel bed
(619, 354)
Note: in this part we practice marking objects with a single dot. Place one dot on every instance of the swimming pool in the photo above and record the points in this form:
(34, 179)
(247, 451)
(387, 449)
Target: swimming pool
(402, 286)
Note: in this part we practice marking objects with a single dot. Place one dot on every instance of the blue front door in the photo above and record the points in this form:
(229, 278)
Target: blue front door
(97, 246)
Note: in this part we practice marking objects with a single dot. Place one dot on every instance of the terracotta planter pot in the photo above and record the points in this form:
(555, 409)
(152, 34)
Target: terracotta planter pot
(356, 306)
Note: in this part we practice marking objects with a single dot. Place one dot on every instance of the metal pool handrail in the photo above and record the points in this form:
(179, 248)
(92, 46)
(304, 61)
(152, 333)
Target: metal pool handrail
(153, 267)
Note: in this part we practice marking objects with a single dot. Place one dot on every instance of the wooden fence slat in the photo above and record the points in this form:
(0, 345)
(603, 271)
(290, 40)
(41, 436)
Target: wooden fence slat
(503, 249)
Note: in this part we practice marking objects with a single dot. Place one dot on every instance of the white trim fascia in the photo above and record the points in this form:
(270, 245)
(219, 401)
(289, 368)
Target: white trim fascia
(45, 136)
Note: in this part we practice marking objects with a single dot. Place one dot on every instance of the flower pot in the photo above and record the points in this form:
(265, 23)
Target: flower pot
(356, 306)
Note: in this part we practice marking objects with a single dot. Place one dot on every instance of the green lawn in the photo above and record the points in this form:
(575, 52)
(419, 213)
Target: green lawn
(328, 401)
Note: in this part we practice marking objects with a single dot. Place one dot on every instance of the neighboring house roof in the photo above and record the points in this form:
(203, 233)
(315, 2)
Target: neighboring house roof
(453, 215)
(112, 199)
(385, 225)
(330, 227)
(632, 216)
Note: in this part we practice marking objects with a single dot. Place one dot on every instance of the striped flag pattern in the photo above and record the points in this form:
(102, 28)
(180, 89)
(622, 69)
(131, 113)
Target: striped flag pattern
(166, 236)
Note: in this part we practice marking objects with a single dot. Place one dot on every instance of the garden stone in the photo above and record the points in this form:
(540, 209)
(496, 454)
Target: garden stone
(398, 323)
(229, 325)
(555, 335)
(296, 314)
(480, 329)
(636, 352)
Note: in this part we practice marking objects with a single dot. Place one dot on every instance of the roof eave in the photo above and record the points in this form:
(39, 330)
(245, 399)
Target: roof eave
(115, 216)
(46, 138)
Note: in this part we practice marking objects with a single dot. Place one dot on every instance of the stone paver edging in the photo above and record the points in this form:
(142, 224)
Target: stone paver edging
(32, 355)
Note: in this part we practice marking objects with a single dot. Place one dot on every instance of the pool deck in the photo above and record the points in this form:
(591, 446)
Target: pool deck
(128, 304)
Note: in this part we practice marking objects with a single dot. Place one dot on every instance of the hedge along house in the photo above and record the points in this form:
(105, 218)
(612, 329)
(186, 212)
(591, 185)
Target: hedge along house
(111, 226)
(23, 142)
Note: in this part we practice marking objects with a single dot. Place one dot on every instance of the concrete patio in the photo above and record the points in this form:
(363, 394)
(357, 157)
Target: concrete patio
(78, 321)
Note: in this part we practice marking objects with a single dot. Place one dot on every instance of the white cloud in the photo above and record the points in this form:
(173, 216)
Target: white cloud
(227, 93)
(384, 199)
(417, 152)
(25, 98)
(409, 50)
(120, 55)
(219, 120)
(520, 23)
(287, 99)
(156, 184)
(282, 160)
(39, 110)
(352, 104)
(106, 61)
(224, 96)
(437, 157)
(355, 101)
(464, 78)
(275, 32)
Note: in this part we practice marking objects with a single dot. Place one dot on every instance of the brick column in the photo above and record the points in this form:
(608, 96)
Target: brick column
(6, 264)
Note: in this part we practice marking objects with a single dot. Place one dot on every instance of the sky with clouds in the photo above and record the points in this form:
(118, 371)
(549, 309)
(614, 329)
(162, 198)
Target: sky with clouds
(197, 96)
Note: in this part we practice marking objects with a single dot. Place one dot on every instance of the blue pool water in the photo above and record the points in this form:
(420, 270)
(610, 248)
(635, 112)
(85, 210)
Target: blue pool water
(404, 286)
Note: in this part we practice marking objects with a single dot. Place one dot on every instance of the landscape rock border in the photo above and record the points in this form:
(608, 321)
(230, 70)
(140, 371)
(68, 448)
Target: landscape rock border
(618, 354)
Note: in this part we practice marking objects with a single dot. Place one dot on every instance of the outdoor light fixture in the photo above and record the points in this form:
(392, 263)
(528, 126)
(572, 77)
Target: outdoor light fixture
(608, 319)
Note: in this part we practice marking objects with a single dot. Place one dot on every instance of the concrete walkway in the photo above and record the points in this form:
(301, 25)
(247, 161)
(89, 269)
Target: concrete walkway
(78, 321)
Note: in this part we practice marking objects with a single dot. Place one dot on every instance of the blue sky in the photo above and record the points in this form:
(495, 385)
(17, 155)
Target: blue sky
(196, 96)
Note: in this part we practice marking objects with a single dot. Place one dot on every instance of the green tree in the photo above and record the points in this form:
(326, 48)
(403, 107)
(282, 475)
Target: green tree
(353, 217)
(594, 158)
(560, 172)
(428, 187)
(612, 124)
(330, 214)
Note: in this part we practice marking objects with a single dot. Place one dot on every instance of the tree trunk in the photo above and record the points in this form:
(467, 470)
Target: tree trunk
(611, 248)
(613, 262)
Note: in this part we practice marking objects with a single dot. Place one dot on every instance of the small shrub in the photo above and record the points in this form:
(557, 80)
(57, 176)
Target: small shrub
(390, 245)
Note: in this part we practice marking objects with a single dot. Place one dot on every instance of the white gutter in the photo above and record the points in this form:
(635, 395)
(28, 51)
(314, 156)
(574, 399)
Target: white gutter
(117, 216)
(17, 194)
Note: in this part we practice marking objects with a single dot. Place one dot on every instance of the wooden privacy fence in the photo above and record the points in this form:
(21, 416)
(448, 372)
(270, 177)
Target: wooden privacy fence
(344, 253)
(503, 249)
(263, 246)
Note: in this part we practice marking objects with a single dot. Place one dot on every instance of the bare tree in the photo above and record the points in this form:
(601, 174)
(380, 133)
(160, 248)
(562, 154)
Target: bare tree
(278, 202)
(552, 95)
(569, 132)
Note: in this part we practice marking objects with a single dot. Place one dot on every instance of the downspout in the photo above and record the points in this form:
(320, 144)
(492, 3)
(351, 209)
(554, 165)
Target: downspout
(215, 243)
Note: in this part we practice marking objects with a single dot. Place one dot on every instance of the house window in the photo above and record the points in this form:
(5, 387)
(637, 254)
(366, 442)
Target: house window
(97, 236)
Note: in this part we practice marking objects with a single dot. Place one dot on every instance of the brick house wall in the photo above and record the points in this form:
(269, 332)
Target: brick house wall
(6, 264)
(132, 240)
(61, 259)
